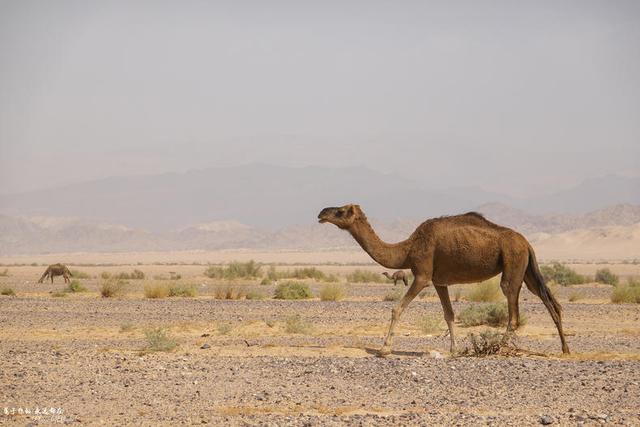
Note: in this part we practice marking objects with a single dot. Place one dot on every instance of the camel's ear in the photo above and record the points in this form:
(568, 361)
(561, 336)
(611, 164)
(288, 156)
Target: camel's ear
(351, 210)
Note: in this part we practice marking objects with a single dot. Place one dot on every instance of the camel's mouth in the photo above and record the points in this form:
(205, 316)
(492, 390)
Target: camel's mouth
(323, 220)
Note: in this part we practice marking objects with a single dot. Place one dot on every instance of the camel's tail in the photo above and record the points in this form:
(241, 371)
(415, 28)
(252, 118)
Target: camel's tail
(535, 283)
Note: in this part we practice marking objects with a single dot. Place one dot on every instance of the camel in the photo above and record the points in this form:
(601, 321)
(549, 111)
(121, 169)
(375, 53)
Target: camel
(457, 249)
(398, 275)
(56, 270)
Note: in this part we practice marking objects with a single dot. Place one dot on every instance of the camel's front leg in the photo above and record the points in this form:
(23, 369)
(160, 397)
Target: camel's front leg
(413, 291)
(443, 293)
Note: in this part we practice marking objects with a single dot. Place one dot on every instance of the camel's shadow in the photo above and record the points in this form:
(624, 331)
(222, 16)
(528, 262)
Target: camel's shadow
(376, 352)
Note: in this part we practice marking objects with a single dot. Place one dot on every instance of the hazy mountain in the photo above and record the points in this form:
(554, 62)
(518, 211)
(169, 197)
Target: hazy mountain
(273, 197)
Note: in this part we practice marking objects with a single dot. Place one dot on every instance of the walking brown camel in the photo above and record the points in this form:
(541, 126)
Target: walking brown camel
(398, 275)
(457, 249)
(56, 270)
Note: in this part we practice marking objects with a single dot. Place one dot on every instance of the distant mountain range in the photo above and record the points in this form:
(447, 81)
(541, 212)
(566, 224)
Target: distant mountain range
(272, 197)
(24, 235)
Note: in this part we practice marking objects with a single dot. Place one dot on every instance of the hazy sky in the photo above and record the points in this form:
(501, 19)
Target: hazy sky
(517, 97)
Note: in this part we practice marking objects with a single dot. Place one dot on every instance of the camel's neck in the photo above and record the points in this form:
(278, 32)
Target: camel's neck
(385, 254)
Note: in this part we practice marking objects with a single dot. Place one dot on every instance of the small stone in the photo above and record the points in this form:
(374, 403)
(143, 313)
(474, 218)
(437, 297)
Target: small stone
(205, 346)
(435, 354)
(545, 420)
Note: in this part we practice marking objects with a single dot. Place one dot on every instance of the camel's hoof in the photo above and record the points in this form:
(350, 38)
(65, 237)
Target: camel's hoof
(384, 351)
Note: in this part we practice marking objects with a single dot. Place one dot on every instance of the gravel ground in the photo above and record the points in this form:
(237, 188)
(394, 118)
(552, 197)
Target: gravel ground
(236, 363)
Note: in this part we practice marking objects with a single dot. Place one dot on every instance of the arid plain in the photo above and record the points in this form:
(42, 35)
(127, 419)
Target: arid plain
(256, 360)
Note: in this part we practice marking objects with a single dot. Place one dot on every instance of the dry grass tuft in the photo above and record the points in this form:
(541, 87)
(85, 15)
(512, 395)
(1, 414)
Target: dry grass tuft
(489, 343)
(487, 291)
(229, 292)
(179, 290)
(332, 292)
(365, 276)
(292, 290)
(496, 314)
(297, 325)
(156, 290)
(7, 291)
(112, 287)
(79, 274)
(224, 328)
(235, 270)
(75, 286)
(575, 296)
(4, 273)
(626, 294)
(430, 325)
(158, 340)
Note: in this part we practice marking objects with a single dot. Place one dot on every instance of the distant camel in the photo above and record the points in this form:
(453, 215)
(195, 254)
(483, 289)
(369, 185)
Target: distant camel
(56, 270)
(457, 249)
(398, 275)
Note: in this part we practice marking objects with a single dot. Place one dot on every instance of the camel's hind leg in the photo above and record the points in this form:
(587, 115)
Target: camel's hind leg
(412, 292)
(511, 290)
(443, 293)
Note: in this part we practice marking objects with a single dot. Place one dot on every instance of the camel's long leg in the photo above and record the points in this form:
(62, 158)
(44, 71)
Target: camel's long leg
(406, 282)
(512, 291)
(51, 275)
(443, 294)
(412, 292)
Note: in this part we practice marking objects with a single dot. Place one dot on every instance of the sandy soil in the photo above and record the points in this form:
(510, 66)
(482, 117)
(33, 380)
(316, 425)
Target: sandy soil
(236, 364)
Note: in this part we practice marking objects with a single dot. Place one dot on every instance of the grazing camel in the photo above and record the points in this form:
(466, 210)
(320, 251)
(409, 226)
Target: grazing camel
(457, 249)
(398, 275)
(56, 270)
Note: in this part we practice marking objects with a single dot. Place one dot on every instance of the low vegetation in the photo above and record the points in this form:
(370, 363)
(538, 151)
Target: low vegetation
(4, 273)
(224, 328)
(75, 286)
(300, 274)
(235, 270)
(332, 292)
(255, 295)
(365, 276)
(605, 276)
(628, 293)
(561, 274)
(393, 295)
(180, 290)
(79, 274)
(575, 296)
(229, 292)
(7, 291)
(292, 290)
(430, 325)
(127, 327)
(490, 342)
(158, 340)
(297, 325)
(112, 287)
(156, 290)
(496, 314)
(487, 291)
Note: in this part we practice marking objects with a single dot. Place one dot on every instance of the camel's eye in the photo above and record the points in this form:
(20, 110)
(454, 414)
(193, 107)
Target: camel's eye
(339, 213)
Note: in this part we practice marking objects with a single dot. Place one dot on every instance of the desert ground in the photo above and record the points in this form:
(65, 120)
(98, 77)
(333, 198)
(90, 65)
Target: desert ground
(241, 362)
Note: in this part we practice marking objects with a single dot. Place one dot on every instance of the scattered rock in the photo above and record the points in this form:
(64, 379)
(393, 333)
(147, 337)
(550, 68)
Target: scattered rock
(545, 420)
(205, 346)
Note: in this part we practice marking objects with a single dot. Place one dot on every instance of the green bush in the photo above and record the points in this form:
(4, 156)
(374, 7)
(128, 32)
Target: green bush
(365, 276)
(159, 340)
(625, 294)
(297, 325)
(496, 314)
(332, 292)
(561, 274)
(7, 291)
(487, 291)
(187, 291)
(235, 270)
(604, 275)
(75, 286)
(292, 290)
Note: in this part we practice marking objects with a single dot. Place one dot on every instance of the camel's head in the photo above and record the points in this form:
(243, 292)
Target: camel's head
(343, 217)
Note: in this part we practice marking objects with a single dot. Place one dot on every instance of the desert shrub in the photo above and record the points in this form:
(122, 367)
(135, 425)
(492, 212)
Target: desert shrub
(297, 325)
(625, 294)
(255, 295)
(6, 290)
(235, 270)
(365, 276)
(332, 292)
(561, 274)
(229, 292)
(158, 340)
(292, 290)
(604, 275)
(266, 281)
(58, 294)
(137, 275)
(300, 274)
(156, 290)
(75, 286)
(430, 324)
(79, 274)
(4, 273)
(112, 287)
(496, 314)
(575, 296)
(105, 275)
(224, 328)
(178, 290)
(633, 281)
(393, 295)
(487, 291)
